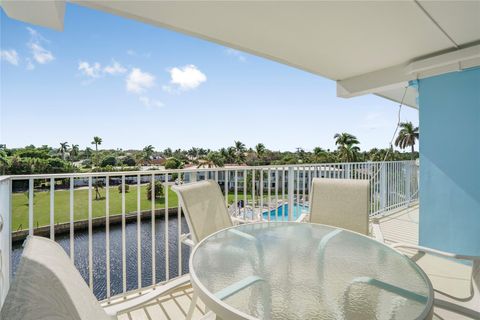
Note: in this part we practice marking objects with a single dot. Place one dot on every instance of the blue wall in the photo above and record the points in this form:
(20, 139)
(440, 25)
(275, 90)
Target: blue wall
(450, 161)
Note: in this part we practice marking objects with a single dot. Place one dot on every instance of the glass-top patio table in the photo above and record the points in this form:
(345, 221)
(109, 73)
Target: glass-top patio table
(288, 270)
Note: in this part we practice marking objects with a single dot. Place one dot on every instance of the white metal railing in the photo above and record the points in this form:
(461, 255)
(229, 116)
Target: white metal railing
(116, 259)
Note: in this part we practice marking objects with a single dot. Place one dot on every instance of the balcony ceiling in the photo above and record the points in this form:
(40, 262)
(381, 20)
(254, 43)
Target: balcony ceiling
(367, 47)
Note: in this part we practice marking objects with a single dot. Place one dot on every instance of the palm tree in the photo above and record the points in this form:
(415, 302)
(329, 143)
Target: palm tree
(148, 151)
(96, 141)
(63, 149)
(239, 152)
(407, 136)
(260, 150)
(88, 152)
(347, 148)
(320, 154)
(213, 159)
(74, 151)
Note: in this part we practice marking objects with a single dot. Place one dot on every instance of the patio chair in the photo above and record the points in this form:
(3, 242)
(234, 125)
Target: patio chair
(206, 213)
(47, 285)
(342, 203)
(456, 284)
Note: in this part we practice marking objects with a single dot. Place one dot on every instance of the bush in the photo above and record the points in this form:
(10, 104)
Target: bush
(129, 161)
(173, 163)
(108, 161)
(158, 190)
(127, 188)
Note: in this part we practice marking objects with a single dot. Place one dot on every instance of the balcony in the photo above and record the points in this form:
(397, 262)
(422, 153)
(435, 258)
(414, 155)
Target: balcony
(105, 221)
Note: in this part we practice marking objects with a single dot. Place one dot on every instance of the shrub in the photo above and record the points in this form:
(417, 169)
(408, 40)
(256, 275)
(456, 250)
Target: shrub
(158, 190)
(129, 161)
(108, 161)
(127, 188)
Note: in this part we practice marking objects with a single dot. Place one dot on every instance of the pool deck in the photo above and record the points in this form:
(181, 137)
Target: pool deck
(452, 282)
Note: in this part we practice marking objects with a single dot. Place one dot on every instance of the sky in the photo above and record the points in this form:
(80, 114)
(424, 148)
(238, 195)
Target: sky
(134, 85)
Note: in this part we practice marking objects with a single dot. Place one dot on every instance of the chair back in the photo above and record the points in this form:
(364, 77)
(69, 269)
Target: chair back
(204, 207)
(342, 203)
(48, 286)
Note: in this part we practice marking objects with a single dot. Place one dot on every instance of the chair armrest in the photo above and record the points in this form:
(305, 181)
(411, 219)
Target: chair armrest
(238, 220)
(185, 239)
(436, 252)
(304, 217)
(133, 303)
(377, 231)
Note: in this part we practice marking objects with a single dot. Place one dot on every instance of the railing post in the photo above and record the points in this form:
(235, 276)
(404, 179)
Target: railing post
(408, 177)
(291, 192)
(383, 187)
(5, 232)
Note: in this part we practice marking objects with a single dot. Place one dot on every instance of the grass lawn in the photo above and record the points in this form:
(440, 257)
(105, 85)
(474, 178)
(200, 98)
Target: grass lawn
(41, 206)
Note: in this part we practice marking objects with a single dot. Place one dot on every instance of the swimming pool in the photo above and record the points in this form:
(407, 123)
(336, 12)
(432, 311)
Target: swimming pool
(298, 209)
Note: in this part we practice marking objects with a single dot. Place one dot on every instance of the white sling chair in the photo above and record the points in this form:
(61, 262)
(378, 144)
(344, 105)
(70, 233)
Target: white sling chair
(47, 285)
(342, 203)
(206, 213)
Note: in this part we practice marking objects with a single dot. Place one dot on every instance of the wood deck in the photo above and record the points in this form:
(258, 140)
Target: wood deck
(401, 226)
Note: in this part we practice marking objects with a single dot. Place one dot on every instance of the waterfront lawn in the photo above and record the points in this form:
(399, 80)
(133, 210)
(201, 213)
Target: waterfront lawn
(41, 205)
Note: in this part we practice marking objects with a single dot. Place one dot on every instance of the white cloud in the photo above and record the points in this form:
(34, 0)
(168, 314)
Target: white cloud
(39, 53)
(147, 102)
(237, 54)
(11, 56)
(185, 78)
(139, 81)
(93, 70)
(114, 68)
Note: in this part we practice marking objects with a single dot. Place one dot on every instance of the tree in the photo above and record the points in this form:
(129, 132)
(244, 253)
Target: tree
(88, 152)
(213, 159)
(97, 185)
(129, 161)
(63, 149)
(4, 162)
(158, 190)
(167, 153)
(148, 152)
(74, 151)
(108, 161)
(347, 148)
(407, 137)
(173, 163)
(239, 152)
(260, 150)
(96, 141)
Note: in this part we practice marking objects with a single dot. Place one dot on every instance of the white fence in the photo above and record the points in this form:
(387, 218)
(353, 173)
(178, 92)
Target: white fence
(119, 239)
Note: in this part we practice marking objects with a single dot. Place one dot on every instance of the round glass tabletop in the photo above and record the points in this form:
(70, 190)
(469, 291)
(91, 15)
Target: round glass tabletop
(288, 270)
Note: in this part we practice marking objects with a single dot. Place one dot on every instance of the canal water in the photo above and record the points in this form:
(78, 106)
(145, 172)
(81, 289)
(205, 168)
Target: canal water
(99, 254)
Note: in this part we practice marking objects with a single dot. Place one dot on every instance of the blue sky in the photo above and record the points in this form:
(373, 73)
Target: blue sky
(133, 85)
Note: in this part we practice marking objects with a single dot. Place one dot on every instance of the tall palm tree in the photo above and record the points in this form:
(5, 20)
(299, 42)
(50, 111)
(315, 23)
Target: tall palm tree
(347, 146)
(239, 152)
(74, 151)
(97, 141)
(260, 150)
(63, 149)
(407, 136)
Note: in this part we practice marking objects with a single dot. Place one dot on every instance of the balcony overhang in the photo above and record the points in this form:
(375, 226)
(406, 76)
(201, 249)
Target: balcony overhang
(367, 47)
